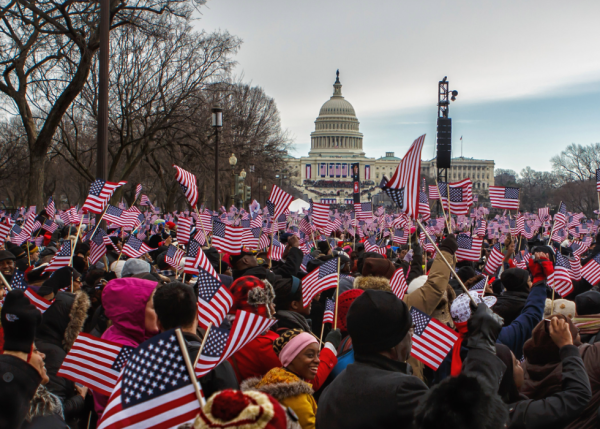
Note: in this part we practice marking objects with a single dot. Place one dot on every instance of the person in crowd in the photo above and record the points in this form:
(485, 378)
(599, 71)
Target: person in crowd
(61, 323)
(7, 265)
(516, 290)
(176, 307)
(129, 306)
(62, 278)
(164, 269)
(245, 264)
(22, 367)
(298, 352)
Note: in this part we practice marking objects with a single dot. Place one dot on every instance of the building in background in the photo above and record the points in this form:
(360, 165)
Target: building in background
(337, 143)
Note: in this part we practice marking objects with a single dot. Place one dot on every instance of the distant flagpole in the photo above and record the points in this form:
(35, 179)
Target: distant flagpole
(461, 147)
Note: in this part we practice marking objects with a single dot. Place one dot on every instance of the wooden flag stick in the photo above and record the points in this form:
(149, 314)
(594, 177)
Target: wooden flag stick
(445, 261)
(442, 205)
(99, 221)
(202, 226)
(553, 224)
(5, 282)
(321, 339)
(337, 295)
(188, 364)
(203, 343)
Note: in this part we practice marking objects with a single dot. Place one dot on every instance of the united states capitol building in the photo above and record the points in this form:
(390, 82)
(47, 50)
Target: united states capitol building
(336, 143)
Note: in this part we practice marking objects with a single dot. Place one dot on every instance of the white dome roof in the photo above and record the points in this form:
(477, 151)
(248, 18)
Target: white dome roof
(337, 105)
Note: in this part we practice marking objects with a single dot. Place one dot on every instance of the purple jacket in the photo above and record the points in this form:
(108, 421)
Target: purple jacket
(124, 302)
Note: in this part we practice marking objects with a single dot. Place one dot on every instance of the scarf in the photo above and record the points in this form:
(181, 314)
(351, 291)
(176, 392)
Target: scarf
(295, 318)
(456, 366)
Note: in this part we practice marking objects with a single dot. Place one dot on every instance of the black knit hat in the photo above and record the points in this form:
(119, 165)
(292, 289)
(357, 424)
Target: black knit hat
(60, 279)
(515, 279)
(20, 319)
(5, 254)
(377, 321)
(588, 303)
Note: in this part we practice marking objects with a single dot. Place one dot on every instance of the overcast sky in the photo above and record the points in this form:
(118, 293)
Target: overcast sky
(527, 72)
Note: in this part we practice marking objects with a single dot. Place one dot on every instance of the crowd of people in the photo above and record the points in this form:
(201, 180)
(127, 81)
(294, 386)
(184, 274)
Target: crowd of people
(520, 360)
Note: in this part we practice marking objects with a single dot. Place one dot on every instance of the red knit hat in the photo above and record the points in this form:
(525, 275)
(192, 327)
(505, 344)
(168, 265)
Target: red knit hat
(236, 409)
(345, 300)
(170, 225)
(251, 294)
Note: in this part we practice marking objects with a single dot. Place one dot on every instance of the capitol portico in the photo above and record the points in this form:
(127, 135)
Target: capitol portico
(336, 143)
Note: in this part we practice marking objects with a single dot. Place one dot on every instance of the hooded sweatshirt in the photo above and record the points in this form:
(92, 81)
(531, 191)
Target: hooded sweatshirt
(124, 302)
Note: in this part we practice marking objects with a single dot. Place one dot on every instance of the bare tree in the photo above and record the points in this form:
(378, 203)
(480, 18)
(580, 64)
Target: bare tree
(577, 162)
(47, 52)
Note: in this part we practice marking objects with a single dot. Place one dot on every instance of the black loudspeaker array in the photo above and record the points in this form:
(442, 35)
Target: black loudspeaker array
(444, 142)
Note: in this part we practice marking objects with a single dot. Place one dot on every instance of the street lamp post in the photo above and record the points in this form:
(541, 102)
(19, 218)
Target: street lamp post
(217, 123)
(232, 162)
(259, 187)
(240, 190)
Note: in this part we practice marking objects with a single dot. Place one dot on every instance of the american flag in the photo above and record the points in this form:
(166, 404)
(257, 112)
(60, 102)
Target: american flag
(227, 238)
(154, 390)
(480, 227)
(469, 249)
(560, 218)
(117, 217)
(5, 227)
(280, 201)
(591, 270)
(138, 190)
(479, 287)
(398, 283)
(578, 248)
(222, 343)
(18, 280)
(372, 246)
(195, 259)
(100, 193)
(363, 211)
(329, 311)
(319, 214)
(400, 237)
(95, 363)
(49, 226)
(187, 181)
(426, 243)
(305, 260)
(97, 246)
(544, 214)
(61, 259)
(323, 278)
(461, 196)
(184, 229)
(214, 300)
(276, 250)
(494, 260)
(575, 265)
(403, 187)
(51, 208)
(251, 237)
(174, 256)
(424, 209)
(434, 192)
(504, 197)
(134, 248)
(432, 340)
(598, 180)
(145, 201)
(39, 302)
(560, 280)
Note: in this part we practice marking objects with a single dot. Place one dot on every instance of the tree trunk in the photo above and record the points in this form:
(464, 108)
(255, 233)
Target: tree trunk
(35, 190)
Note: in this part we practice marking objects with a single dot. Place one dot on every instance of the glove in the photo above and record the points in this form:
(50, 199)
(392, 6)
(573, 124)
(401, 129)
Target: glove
(449, 244)
(484, 326)
(540, 269)
(334, 337)
(409, 255)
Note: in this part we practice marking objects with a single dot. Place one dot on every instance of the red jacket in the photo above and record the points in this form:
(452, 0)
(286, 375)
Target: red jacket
(257, 358)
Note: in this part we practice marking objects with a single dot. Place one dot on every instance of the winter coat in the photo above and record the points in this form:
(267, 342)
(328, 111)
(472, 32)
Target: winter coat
(61, 324)
(45, 411)
(290, 391)
(18, 383)
(374, 392)
(219, 378)
(510, 304)
(546, 380)
(514, 335)
(124, 302)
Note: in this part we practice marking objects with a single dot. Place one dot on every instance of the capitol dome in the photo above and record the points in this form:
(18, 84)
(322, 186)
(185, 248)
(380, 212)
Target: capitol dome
(336, 127)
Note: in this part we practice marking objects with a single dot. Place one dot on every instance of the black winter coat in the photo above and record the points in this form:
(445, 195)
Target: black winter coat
(18, 383)
(510, 304)
(374, 392)
(220, 378)
(56, 335)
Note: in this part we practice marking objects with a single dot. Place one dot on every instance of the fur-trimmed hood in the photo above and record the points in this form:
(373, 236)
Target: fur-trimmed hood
(370, 282)
(44, 403)
(64, 320)
(278, 383)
